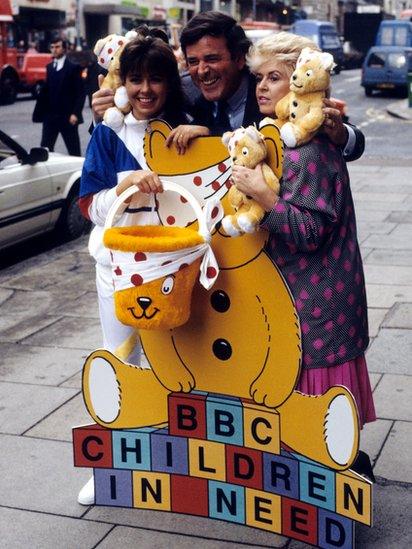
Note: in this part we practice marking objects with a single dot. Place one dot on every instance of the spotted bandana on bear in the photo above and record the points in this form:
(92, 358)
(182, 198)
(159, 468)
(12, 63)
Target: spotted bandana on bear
(136, 268)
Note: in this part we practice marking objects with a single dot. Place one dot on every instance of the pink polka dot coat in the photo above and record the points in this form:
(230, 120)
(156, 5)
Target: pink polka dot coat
(313, 241)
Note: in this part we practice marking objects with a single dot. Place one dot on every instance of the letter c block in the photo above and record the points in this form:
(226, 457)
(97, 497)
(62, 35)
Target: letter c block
(261, 427)
(92, 446)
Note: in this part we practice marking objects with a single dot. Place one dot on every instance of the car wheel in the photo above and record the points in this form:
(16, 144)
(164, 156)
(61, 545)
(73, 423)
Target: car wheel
(8, 89)
(337, 69)
(368, 91)
(72, 224)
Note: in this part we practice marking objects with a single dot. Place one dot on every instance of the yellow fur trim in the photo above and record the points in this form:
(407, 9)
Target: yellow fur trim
(151, 238)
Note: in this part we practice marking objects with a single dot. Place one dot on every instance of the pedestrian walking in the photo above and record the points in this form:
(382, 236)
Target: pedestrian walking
(60, 102)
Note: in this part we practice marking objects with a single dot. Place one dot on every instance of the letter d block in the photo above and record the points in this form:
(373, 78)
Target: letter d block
(92, 445)
(244, 466)
(187, 414)
(224, 419)
(261, 427)
(151, 491)
(335, 531)
(113, 487)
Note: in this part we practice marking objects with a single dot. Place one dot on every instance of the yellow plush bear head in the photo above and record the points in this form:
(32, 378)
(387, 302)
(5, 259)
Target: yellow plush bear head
(246, 146)
(312, 73)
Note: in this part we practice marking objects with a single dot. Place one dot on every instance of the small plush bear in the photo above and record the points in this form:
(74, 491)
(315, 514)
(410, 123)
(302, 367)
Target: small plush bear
(247, 148)
(108, 51)
(300, 111)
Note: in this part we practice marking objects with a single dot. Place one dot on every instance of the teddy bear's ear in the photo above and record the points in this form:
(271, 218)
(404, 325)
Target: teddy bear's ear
(327, 61)
(226, 138)
(131, 34)
(252, 132)
(100, 45)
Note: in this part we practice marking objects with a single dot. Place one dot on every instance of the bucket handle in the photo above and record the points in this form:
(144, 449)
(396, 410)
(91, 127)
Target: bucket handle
(167, 186)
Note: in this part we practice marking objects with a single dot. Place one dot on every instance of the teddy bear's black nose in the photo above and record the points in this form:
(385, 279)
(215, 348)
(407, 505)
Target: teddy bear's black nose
(294, 76)
(144, 302)
(234, 158)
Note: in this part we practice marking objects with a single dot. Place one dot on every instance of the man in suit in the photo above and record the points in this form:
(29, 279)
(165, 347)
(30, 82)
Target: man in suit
(215, 48)
(60, 103)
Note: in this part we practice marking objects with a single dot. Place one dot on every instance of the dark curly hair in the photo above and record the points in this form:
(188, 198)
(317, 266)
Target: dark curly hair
(148, 55)
(217, 24)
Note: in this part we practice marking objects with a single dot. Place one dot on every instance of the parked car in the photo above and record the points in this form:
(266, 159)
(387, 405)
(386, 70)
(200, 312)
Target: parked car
(324, 35)
(38, 193)
(386, 68)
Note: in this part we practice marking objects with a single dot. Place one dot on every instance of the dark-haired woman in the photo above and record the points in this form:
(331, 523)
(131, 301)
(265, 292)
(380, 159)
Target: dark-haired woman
(115, 161)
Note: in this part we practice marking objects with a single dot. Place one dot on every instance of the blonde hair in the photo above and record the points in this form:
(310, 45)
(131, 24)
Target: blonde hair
(283, 46)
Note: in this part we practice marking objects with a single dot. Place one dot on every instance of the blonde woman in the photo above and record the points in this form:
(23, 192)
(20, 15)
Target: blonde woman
(313, 238)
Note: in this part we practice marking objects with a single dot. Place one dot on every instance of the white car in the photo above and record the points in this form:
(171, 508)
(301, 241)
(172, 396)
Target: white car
(38, 193)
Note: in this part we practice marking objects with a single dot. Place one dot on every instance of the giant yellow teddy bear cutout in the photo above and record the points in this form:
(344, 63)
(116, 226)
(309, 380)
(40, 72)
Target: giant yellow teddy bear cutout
(243, 336)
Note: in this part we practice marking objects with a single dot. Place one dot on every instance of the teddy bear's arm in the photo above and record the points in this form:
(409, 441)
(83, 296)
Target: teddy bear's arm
(271, 180)
(311, 121)
(282, 108)
(235, 197)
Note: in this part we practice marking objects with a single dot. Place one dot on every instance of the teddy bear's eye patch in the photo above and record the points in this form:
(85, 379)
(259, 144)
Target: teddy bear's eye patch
(220, 301)
(245, 151)
(309, 72)
(167, 285)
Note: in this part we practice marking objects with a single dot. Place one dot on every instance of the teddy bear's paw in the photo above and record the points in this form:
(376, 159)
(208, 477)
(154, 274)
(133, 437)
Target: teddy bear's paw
(246, 224)
(177, 381)
(114, 118)
(228, 226)
(120, 98)
(103, 389)
(341, 426)
(288, 135)
(261, 392)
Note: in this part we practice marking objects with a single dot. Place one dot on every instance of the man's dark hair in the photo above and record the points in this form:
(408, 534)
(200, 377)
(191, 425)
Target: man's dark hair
(146, 55)
(217, 24)
(156, 32)
(57, 39)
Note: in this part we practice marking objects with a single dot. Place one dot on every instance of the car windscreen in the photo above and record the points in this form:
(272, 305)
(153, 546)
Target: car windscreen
(377, 60)
(397, 60)
(330, 40)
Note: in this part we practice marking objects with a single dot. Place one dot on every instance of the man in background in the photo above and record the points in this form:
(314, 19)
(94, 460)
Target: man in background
(60, 102)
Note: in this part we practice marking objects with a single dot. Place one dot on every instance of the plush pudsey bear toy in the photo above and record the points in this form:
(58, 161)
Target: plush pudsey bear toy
(300, 111)
(247, 148)
(108, 51)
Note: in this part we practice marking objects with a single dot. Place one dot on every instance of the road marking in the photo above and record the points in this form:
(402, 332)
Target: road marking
(375, 115)
(353, 78)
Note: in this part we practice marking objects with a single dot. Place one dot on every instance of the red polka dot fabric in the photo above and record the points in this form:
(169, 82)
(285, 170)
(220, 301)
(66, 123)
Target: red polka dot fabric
(314, 243)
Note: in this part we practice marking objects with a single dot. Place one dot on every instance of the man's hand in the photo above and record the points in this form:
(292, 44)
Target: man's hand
(333, 125)
(181, 136)
(73, 120)
(146, 180)
(102, 100)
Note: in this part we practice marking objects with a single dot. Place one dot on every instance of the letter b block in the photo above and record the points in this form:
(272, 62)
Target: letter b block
(187, 414)
(224, 419)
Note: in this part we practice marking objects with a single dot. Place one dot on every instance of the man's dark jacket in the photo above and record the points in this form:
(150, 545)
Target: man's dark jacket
(62, 95)
(202, 112)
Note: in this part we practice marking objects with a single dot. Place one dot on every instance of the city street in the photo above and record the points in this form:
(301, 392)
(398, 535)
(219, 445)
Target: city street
(49, 324)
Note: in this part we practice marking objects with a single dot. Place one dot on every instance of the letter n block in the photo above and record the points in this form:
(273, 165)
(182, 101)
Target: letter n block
(224, 419)
(92, 445)
(151, 491)
(244, 466)
(299, 521)
(169, 454)
(113, 487)
(263, 510)
(226, 502)
(261, 427)
(189, 495)
(335, 531)
(353, 497)
(187, 414)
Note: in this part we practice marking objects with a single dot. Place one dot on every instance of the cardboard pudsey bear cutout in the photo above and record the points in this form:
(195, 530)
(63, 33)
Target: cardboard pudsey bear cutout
(247, 148)
(216, 351)
(300, 113)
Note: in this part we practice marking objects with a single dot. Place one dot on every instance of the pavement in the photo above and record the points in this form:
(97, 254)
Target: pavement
(400, 109)
(49, 324)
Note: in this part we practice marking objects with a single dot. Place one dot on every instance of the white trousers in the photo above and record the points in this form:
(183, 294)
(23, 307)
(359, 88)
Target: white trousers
(114, 332)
